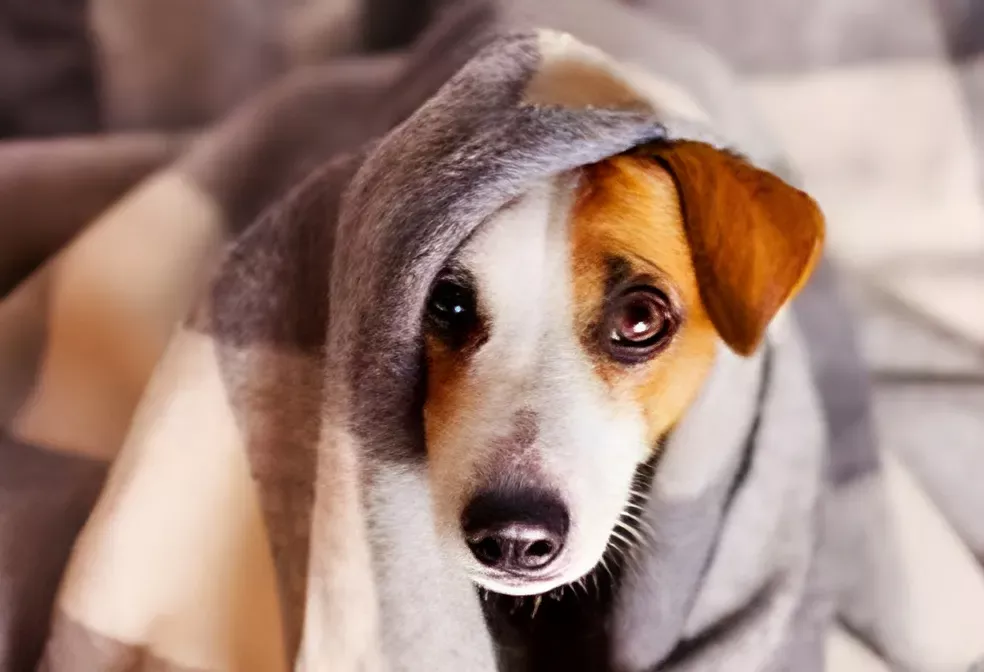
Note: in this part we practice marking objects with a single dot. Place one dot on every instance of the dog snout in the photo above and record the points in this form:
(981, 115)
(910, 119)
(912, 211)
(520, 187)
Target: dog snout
(517, 532)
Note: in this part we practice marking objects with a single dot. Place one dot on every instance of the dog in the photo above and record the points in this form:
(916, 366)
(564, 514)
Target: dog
(568, 336)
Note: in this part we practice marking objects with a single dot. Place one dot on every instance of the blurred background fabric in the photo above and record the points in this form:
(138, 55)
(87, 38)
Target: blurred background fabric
(47, 70)
(880, 105)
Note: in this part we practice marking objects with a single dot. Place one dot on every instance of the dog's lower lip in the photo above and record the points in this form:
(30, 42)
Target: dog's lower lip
(519, 579)
(494, 581)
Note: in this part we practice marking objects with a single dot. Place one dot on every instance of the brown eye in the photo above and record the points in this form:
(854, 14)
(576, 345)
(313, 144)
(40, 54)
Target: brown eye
(452, 313)
(638, 323)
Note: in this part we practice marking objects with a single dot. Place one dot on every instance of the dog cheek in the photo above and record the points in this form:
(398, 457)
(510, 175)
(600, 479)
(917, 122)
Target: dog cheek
(440, 419)
(599, 477)
(444, 379)
(453, 460)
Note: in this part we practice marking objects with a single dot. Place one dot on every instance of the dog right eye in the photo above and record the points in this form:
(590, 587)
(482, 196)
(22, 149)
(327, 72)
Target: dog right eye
(452, 311)
(638, 324)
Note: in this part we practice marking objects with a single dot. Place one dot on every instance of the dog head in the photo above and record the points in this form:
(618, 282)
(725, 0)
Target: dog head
(572, 331)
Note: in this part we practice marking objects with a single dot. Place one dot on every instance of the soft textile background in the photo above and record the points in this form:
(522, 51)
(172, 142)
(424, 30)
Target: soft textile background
(880, 103)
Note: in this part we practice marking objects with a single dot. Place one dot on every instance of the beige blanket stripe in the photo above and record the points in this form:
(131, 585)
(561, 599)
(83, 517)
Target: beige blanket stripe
(115, 297)
(175, 559)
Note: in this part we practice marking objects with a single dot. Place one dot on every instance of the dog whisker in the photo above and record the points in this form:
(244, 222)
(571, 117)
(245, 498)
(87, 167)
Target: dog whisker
(604, 565)
(631, 517)
(616, 535)
(536, 605)
(622, 523)
(599, 582)
(640, 540)
(617, 551)
(641, 525)
(634, 517)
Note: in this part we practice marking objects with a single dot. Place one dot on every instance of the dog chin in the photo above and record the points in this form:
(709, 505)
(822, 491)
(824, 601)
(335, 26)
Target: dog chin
(519, 587)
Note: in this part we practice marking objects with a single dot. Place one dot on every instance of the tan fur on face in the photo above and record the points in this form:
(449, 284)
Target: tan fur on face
(446, 386)
(628, 209)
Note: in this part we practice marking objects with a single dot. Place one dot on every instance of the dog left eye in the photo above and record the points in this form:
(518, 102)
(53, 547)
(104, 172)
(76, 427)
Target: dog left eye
(451, 310)
(638, 323)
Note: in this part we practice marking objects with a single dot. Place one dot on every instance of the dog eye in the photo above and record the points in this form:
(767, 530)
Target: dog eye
(451, 311)
(638, 323)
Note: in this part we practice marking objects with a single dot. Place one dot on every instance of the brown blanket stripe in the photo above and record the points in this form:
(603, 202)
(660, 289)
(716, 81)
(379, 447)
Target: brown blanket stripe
(51, 189)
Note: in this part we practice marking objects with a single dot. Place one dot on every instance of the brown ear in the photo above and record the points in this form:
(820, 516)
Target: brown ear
(753, 238)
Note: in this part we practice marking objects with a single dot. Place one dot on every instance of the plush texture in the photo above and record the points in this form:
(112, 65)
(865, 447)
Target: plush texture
(238, 336)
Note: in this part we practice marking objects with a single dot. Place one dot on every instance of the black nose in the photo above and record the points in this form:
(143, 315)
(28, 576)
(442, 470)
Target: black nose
(520, 532)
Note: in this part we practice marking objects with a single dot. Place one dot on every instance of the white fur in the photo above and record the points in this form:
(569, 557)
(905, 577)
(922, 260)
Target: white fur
(588, 446)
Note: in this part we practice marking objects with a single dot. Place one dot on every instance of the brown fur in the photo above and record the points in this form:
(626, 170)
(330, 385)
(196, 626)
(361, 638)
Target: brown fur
(628, 208)
(754, 239)
(447, 376)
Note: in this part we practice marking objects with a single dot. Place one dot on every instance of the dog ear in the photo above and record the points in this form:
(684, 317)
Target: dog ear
(753, 238)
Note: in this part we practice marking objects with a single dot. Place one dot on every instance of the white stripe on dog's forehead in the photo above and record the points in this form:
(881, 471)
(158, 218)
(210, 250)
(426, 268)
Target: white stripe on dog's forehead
(520, 262)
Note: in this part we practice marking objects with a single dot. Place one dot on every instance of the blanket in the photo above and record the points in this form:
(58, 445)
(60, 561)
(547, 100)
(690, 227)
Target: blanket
(267, 505)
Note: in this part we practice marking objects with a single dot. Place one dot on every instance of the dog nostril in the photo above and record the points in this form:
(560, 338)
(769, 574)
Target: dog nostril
(488, 550)
(518, 547)
(539, 549)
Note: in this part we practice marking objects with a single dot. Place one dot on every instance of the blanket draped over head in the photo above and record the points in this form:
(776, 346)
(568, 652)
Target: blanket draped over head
(269, 508)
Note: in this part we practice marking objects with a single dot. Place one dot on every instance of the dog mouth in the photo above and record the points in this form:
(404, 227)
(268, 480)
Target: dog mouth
(567, 568)
(518, 586)
(575, 573)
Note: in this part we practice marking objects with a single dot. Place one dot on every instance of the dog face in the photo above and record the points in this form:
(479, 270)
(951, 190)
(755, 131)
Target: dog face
(575, 328)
